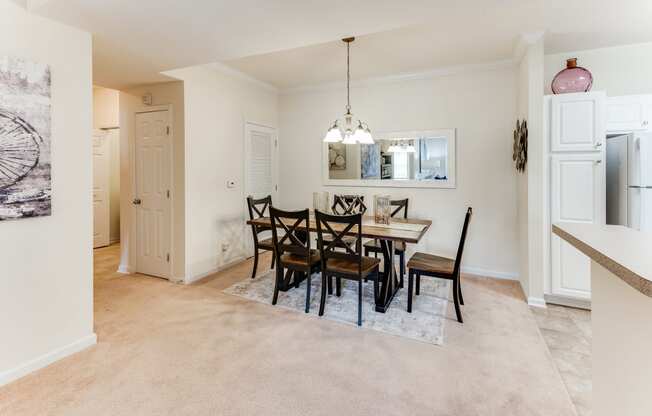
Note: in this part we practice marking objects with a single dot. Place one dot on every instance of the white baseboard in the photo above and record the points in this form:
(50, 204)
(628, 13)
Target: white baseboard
(489, 273)
(536, 302)
(44, 360)
(197, 277)
(568, 301)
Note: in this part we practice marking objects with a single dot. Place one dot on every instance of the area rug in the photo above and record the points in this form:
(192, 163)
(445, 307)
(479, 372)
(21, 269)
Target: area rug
(426, 322)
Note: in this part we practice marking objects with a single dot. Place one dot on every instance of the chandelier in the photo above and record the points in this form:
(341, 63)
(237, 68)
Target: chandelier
(348, 130)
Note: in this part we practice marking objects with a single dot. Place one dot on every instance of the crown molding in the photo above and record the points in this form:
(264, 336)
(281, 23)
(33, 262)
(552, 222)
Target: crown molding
(408, 76)
(227, 70)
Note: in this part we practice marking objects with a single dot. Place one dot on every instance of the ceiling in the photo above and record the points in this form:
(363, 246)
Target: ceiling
(290, 43)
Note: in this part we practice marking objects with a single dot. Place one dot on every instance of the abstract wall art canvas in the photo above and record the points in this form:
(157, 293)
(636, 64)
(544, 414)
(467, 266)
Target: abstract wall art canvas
(25, 181)
(370, 161)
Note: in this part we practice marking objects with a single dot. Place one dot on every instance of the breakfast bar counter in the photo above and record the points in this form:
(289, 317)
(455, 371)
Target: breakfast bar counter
(621, 291)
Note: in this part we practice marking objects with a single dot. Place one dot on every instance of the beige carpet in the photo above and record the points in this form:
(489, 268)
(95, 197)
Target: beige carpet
(167, 349)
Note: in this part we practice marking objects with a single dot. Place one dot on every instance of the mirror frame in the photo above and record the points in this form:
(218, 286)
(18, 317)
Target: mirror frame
(449, 183)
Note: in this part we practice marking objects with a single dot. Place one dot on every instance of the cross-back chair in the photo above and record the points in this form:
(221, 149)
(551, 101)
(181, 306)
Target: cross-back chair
(294, 257)
(422, 264)
(348, 264)
(399, 207)
(348, 204)
(259, 208)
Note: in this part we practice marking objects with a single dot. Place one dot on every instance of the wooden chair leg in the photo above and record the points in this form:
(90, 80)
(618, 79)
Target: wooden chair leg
(402, 267)
(338, 285)
(330, 284)
(410, 285)
(360, 302)
(279, 276)
(456, 291)
(418, 291)
(308, 292)
(376, 285)
(459, 286)
(273, 261)
(324, 285)
(253, 272)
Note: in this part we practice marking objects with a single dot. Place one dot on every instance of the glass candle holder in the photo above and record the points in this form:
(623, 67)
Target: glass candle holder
(382, 209)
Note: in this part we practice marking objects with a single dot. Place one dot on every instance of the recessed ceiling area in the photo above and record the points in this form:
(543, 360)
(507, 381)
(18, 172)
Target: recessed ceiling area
(289, 43)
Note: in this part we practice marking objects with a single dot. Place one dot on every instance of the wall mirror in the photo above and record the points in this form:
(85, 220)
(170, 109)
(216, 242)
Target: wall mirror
(421, 159)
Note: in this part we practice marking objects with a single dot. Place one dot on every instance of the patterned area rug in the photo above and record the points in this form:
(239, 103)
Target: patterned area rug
(425, 323)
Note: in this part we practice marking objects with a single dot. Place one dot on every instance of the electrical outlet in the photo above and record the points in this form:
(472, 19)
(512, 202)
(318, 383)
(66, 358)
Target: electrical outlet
(230, 184)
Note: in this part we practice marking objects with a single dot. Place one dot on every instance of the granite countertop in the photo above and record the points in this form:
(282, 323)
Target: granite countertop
(624, 252)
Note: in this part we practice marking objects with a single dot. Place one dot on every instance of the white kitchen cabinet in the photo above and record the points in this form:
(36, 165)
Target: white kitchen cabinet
(577, 196)
(629, 113)
(577, 122)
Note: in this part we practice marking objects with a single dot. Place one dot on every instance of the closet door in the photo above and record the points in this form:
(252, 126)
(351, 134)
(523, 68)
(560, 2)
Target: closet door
(101, 218)
(626, 113)
(577, 195)
(577, 122)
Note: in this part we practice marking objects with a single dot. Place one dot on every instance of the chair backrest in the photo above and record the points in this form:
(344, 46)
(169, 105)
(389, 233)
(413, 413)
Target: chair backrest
(401, 205)
(295, 239)
(460, 248)
(348, 204)
(258, 208)
(339, 226)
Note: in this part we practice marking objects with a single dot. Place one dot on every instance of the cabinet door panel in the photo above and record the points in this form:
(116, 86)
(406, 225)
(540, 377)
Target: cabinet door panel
(626, 113)
(577, 195)
(577, 122)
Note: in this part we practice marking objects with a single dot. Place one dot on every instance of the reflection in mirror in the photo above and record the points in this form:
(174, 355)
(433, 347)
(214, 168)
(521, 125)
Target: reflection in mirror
(396, 158)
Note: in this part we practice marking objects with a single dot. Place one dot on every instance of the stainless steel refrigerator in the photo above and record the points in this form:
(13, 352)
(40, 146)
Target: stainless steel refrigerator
(629, 180)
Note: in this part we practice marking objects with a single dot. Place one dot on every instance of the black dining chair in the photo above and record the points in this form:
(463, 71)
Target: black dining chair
(400, 206)
(292, 250)
(346, 205)
(350, 264)
(422, 264)
(258, 209)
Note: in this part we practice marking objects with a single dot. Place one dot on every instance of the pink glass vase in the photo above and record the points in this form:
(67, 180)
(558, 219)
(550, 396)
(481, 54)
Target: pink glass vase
(572, 79)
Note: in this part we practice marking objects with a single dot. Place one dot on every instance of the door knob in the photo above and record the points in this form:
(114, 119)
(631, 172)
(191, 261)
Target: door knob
(598, 161)
(598, 144)
(137, 201)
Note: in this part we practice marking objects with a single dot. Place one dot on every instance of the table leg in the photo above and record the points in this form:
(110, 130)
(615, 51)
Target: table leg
(389, 282)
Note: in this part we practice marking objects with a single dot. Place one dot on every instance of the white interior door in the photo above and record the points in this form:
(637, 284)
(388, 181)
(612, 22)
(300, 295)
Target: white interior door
(260, 166)
(577, 122)
(101, 184)
(577, 195)
(152, 193)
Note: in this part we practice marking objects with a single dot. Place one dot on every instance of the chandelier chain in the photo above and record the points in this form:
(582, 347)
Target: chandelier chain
(348, 78)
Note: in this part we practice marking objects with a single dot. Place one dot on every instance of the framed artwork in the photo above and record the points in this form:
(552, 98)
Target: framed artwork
(25, 129)
(336, 156)
(370, 161)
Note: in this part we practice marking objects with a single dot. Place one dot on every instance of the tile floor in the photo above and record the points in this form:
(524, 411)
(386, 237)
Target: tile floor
(567, 331)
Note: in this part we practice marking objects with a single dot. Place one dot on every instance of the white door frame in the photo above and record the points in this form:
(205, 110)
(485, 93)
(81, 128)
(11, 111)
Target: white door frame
(245, 188)
(133, 226)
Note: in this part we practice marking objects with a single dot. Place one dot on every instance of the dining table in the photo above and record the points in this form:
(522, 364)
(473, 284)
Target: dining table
(405, 230)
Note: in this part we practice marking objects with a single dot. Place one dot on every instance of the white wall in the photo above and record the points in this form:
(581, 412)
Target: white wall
(217, 106)
(619, 70)
(131, 102)
(106, 114)
(532, 185)
(481, 105)
(47, 305)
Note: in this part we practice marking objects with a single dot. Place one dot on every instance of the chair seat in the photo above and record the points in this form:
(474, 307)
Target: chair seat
(291, 259)
(374, 245)
(266, 244)
(346, 266)
(431, 263)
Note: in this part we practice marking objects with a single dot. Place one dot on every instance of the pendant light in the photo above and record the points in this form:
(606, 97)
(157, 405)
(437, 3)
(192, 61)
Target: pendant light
(347, 130)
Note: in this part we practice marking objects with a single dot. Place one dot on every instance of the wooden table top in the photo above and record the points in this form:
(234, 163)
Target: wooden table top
(406, 230)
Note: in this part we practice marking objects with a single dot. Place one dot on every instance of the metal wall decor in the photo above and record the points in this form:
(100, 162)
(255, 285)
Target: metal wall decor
(520, 145)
